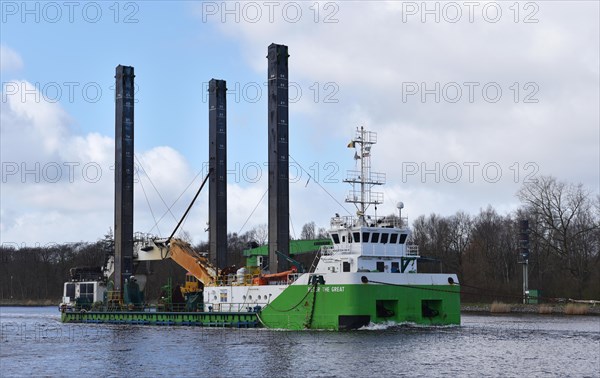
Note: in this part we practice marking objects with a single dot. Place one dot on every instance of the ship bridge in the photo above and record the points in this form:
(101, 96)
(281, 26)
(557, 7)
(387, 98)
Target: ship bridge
(364, 243)
(380, 245)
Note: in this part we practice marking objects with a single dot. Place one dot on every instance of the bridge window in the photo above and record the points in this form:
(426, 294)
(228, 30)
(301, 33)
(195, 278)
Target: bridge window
(393, 238)
(336, 238)
(86, 291)
(365, 237)
(403, 238)
(70, 291)
(356, 237)
(375, 237)
(384, 237)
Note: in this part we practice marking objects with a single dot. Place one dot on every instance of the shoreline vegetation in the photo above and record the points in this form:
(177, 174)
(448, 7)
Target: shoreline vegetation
(499, 308)
(495, 308)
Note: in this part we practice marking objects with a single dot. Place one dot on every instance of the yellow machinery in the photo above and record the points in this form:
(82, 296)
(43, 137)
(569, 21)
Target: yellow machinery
(192, 285)
(197, 265)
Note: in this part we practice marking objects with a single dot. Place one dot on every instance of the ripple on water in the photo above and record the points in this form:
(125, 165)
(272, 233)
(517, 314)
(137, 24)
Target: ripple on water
(34, 341)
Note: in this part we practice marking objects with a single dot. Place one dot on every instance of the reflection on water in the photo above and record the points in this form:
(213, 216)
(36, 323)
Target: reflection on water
(34, 342)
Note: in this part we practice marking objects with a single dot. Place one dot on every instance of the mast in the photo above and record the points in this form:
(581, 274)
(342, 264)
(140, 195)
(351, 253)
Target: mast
(279, 185)
(217, 187)
(124, 102)
(362, 181)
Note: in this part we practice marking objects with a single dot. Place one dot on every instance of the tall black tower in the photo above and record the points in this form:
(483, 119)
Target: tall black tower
(123, 176)
(217, 188)
(279, 198)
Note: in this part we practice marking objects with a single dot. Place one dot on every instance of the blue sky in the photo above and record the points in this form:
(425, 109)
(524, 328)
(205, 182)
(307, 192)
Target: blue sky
(426, 80)
(173, 53)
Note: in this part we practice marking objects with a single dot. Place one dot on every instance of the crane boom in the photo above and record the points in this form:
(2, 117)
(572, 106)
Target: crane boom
(199, 266)
(182, 253)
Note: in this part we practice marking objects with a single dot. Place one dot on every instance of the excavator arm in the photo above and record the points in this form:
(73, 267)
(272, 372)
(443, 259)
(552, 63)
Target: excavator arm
(199, 266)
(183, 254)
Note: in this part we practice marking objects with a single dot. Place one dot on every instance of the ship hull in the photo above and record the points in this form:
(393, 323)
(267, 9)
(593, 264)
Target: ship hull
(383, 298)
(329, 302)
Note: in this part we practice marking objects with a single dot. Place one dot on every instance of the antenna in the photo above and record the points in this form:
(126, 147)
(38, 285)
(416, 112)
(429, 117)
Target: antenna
(362, 181)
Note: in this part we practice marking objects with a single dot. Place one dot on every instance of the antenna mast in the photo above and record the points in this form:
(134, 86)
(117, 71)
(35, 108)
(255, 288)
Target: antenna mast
(362, 181)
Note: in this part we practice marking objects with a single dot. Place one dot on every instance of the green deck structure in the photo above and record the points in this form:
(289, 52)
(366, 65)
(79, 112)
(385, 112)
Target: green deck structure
(296, 247)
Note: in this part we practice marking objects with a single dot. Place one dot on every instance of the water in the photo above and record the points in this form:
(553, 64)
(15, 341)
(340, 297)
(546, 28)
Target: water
(34, 342)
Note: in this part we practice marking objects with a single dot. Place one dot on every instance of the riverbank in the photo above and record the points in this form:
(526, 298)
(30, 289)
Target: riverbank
(519, 308)
(29, 302)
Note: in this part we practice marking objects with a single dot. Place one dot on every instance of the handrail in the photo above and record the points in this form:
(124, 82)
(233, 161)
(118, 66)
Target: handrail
(342, 222)
(412, 250)
(329, 250)
(175, 307)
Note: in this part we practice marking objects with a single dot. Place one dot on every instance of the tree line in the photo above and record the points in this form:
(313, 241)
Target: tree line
(483, 249)
(564, 244)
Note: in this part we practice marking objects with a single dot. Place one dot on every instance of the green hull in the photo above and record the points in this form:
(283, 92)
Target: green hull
(337, 307)
(319, 306)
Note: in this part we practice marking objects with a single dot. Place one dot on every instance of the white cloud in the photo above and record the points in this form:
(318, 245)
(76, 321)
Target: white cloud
(370, 53)
(10, 60)
(57, 186)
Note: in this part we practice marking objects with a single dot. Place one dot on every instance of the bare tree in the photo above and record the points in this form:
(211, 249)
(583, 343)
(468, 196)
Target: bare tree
(322, 233)
(494, 242)
(259, 233)
(459, 237)
(566, 223)
(308, 231)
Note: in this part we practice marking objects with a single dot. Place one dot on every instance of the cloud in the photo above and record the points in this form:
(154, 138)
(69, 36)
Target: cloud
(58, 186)
(545, 121)
(10, 60)
(58, 182)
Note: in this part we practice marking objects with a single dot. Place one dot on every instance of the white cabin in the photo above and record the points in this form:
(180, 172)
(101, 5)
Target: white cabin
(362, 243)
(368, 248)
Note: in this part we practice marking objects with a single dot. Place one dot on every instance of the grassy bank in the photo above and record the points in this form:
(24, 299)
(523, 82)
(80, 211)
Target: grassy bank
(542, 309)
(29, 302)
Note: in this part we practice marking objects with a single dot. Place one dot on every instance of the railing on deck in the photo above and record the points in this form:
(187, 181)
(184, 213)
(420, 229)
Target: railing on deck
(143, 237)
(248, 279)
(233, 307)
(176, 307)
(342, 222)
(372, 250)
(412, 250)
(329, 250)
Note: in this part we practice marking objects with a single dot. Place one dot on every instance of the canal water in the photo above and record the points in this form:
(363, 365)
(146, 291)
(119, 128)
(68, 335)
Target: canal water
(33, 342)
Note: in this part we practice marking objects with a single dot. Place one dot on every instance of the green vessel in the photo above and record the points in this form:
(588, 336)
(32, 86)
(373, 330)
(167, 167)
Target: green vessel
(366, 274)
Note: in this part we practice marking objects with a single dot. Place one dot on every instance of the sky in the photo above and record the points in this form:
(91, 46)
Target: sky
(470, 100)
